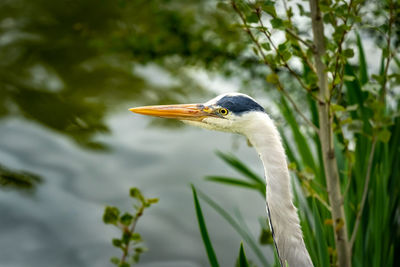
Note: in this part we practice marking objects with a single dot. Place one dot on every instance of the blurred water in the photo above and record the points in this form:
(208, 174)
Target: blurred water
(68, 73)
(60, 224)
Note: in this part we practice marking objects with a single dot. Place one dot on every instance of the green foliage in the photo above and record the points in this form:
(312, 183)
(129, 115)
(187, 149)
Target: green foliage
(363, 106)
(130, 241)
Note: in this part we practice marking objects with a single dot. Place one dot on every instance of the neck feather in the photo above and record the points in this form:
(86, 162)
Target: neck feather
(283, 216)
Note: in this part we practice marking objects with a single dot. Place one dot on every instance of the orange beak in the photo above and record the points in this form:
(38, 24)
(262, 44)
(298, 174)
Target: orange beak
(194, 112)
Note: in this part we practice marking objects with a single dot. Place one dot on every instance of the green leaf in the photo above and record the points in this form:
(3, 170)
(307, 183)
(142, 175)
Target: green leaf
(283, 46)
(255, 50)
(348, 78)
(273, 78)
(115, 260)
(117, 242)
(270, 58)
(126, 219)
(302, 11)
(252, 18)
(336, 107)
(265, 237)
(136, 193)
(286, 55)
(266, 46)
(152, 200)
(136, 237)
(124, 264)
(203, 230)
(269, 8)
(349, 53)
(384, 135)
(111, 215)
(276, 23)
(140, 249)
(242, 257)
(136, 257)
(126, 237)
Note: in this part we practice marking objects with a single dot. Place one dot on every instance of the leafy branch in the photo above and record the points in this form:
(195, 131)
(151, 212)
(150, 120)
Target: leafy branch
(130, 240)
(273, 77)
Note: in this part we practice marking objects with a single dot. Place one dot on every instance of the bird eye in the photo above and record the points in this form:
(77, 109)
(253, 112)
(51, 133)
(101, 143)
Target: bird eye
(223, 111)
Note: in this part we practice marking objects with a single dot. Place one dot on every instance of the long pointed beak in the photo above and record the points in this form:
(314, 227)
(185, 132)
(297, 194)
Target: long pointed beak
(181, 112)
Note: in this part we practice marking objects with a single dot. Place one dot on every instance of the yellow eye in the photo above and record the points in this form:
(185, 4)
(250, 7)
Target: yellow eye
(223, 111)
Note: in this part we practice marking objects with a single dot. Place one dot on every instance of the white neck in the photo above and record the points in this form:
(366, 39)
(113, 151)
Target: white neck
(284, 219)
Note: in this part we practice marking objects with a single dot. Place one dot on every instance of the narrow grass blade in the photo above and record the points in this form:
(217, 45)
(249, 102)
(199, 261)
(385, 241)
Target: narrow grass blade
(240, 167)
(203, 230)
(320, 237)
(242, 257)
(246, 236)
(355, 95)
(237, 182)
(363, 63)
(306, 216)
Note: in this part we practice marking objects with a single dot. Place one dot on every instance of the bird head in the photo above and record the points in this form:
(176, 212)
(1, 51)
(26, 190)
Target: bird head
(231, 112)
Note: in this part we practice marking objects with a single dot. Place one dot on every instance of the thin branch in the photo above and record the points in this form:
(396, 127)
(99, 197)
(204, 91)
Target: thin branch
(364, 195)
(131, 230)
(279, 85)
(326, 139)
(339, 51)
(298, 38)
(247, 29)
(267, 34)
(297, 109)
(323, 202)
(287, 11)
(304, 57)
(389, 57)
(307, 183)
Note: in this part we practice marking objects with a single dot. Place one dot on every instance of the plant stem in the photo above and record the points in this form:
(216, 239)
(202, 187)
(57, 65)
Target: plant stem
(131, 230)
(326, 138)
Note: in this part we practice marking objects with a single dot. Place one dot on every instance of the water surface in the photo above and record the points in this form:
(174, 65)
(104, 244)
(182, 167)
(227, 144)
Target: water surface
(60, 224)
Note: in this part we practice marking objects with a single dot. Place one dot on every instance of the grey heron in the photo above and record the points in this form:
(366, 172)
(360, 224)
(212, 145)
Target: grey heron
(239, 113)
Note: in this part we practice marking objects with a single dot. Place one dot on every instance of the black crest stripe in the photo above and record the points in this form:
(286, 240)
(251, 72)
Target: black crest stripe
(239, 104)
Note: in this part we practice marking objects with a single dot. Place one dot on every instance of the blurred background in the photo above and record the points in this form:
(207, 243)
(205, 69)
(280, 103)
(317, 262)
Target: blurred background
(69, 71)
